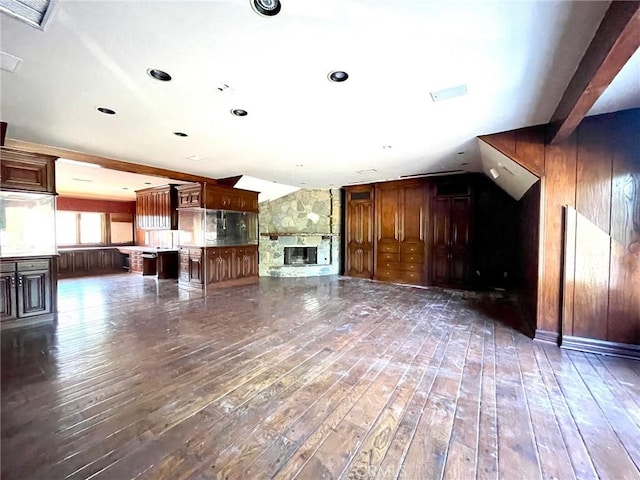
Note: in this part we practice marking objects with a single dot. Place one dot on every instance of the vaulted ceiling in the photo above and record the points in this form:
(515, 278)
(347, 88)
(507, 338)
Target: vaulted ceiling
(515, 58)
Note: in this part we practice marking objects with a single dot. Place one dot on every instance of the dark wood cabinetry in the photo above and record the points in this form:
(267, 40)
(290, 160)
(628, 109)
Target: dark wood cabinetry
(28, 285)
(401, 225)
(190, 270)
(359, 232)
(156, 208)
(26, 172)
(416, 231)
(451, 241)
(135, 262)
(217, 197)
(27, 291)
(200, 267)
(77, 263)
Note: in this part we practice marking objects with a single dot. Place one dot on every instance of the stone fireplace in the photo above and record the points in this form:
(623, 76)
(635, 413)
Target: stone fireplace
(299, 234)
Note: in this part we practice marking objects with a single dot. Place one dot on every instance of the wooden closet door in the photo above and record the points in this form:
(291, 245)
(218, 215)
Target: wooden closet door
(460, 240)
(441, 239)
(388, 232)
(359, 232)
(413, 219)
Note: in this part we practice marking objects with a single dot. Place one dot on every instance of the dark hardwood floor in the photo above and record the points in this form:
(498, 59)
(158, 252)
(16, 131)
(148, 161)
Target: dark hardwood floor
(306, 378)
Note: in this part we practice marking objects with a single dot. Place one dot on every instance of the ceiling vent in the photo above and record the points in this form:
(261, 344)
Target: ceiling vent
(448, 93)
(33, 12)
(9, 63)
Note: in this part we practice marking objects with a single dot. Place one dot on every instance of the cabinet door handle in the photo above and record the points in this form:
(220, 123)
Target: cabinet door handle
(19, 280)
(13, 281)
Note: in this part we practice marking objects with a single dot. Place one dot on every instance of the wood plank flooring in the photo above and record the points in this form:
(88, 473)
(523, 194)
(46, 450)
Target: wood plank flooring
(306, 378)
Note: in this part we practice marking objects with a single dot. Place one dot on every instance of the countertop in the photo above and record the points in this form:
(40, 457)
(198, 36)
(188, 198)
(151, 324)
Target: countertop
(136, 248)
(130, 248)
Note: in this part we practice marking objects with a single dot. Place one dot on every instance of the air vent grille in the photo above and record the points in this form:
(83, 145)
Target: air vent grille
(32, 12)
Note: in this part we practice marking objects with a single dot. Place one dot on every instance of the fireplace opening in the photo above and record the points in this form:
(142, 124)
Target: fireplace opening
(300, 255)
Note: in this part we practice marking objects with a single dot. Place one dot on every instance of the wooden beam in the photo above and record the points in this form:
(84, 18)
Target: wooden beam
(106, 162)
(615, 41)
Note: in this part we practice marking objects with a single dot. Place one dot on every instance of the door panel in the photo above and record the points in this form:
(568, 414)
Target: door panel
(34, 296)
(8, 309)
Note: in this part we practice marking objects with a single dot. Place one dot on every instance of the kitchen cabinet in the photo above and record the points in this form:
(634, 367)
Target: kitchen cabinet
(359, 232)
(213, 266)
(27, 172)
(220, 263)
(156, 208)
(93, 261)
(27, 291)
(135, 262)
(217, 197)
(401, 225)
(191, 268)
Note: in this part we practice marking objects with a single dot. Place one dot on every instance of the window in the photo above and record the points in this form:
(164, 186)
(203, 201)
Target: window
(79, 228)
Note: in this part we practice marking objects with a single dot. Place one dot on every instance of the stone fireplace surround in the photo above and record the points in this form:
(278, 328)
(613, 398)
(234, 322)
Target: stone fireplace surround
(306, 218)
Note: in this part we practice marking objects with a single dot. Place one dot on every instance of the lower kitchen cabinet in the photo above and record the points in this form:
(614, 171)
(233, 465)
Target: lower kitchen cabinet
(28, 289)
(84, 262)
(218, 266)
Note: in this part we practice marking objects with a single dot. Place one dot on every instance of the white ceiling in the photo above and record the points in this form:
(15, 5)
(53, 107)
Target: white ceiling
(85, 180)
(516, 58)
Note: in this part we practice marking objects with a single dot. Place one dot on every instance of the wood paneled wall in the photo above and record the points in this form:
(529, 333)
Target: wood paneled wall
(597, 172)
(529, 252)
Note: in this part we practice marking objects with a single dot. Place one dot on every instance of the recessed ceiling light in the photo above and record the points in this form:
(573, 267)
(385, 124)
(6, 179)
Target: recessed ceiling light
(386, 147)
(159, 75)
(338, 76)
(369, 170)
(195, 158)
(106, 110)
(303, 183)
(238, 112)
(268, 8)
(125, 188)
(180, 134)
(147, 183)
(460, 153)
(464, 163)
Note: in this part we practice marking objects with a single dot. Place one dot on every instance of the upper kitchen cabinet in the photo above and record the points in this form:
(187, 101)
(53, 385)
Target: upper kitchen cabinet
(156, 208)
(27, 172)
(217, 197)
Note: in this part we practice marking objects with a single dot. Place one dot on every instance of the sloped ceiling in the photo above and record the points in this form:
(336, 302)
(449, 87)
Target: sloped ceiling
(516, 59)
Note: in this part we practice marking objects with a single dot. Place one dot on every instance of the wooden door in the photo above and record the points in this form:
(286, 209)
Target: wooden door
(441, 218)
(412, 233)
(359, 232)
(34, 293)
(387, 232)
(460, 241)
(8, 307)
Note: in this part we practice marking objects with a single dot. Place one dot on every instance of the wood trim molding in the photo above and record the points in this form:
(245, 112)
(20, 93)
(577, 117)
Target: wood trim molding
(602, 347)
(615, 41)
(105, 162)
(545, 336)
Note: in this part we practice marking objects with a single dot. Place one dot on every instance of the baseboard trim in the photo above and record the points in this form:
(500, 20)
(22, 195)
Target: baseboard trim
(546, 336)
(602, 347)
